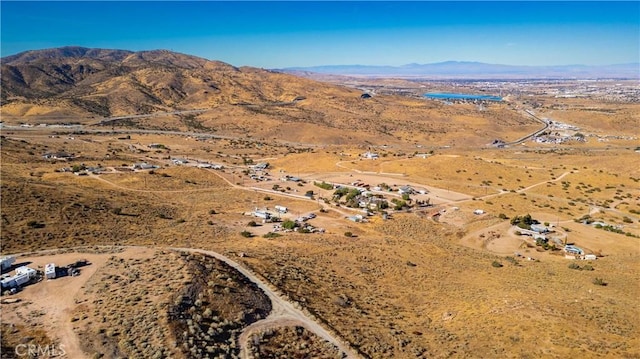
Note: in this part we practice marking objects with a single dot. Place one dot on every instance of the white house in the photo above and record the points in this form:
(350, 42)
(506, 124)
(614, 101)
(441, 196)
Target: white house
(144, 166)
(370, 155)
(58, 156)
(261, 166)
(262, 214)
(539, 228)
(179, 161)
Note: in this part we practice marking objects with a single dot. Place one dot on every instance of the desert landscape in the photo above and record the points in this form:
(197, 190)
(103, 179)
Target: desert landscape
(194, 209)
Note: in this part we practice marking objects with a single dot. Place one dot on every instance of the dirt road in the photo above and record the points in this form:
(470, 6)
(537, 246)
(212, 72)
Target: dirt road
(283, 312)
(59, 308)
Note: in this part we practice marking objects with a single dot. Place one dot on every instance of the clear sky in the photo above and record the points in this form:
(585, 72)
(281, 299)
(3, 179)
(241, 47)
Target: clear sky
(284, 34)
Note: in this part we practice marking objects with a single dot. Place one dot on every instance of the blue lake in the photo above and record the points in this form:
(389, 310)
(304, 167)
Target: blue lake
(460, 96)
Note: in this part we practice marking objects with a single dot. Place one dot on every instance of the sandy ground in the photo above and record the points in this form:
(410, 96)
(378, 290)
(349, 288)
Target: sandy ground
(50, 303)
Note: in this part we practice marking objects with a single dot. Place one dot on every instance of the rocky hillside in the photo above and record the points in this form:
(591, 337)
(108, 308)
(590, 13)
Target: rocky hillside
(116, 82)
(87, 85)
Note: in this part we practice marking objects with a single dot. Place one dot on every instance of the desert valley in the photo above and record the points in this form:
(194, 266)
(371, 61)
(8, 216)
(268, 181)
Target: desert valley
(168, 206)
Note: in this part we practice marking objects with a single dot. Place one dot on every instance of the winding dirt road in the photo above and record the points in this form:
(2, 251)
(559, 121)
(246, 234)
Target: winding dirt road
(283, 312)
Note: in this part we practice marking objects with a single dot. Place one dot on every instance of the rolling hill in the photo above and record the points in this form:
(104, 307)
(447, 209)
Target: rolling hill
(88, 85)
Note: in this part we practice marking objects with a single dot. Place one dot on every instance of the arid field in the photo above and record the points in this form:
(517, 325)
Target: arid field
(439, 272)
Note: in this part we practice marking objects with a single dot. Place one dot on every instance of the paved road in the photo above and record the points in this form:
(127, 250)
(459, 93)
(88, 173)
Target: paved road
(108, 120)
(533, 134)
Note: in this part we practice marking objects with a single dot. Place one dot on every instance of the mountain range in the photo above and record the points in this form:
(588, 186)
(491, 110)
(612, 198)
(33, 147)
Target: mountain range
(122, 88)
(475, 70)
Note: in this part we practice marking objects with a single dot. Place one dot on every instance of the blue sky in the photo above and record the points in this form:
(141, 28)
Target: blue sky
(283, 34)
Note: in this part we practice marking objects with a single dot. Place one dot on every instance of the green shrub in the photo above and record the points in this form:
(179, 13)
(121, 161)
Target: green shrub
(496, 264)
(324, 185)
(252, 224)
(288, 224)
(348, 234)
(246, 234)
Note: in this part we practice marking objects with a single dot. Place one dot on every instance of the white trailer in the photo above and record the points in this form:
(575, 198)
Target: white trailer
(21, 279)
(281, 209)
(50, 271)
(7, 261)
(262, 214)
(23, 275)
(8, 283)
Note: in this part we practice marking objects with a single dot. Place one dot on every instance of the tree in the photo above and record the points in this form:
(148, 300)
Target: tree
(340, 192)
(288, 224)
(323, 185)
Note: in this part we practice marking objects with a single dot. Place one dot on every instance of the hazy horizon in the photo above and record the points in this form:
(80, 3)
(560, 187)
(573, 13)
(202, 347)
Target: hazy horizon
(306, 34)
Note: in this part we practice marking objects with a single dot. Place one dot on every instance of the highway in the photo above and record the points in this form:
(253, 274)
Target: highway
(533, 134)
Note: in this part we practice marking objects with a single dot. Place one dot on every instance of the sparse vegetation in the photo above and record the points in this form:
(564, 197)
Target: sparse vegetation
(356, 288)
(599, 281)
(271, 235)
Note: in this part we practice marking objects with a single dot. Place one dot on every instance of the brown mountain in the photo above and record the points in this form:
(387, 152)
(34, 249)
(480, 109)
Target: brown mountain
(113, 82)
(91, 84)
